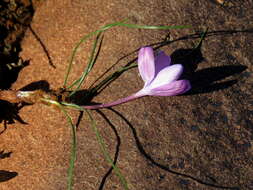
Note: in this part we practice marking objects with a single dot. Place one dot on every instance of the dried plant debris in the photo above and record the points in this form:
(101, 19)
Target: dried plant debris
(15, 17)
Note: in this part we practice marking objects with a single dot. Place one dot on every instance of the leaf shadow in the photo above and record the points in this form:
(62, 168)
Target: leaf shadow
(117, 148)
(81, 97)
(161, 166)
(36, 36)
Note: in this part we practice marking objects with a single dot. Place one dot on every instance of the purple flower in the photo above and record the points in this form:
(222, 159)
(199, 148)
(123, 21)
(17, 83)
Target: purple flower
(159, 76)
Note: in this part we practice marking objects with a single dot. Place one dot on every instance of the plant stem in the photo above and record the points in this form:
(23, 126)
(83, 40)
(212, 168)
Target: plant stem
(120, 101)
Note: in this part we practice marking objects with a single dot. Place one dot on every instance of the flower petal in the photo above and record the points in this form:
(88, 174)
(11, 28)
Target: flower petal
(146, 64)
(171, 89)
(167, 75)
(161, 61)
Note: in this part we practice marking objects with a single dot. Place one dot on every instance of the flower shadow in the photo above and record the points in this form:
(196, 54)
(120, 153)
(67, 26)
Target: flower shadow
(207, 80)
(204, 80)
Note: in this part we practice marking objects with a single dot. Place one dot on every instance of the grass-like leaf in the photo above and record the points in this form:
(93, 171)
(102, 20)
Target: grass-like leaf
(106, 27)
(152, 27)
(74, 141)
(202, 37)
(105, 152)
(110, 78)
(73, 150)
(101, 143)
(91, 62)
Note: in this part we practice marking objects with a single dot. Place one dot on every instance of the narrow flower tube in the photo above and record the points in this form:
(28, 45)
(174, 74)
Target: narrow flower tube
(159, 76)
(117, 102)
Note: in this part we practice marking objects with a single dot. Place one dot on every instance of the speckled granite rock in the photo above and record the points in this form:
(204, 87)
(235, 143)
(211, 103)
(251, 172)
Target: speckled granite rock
(201, 140)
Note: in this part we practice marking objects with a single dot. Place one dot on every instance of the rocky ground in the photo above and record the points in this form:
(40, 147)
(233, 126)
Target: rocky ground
(201, 140)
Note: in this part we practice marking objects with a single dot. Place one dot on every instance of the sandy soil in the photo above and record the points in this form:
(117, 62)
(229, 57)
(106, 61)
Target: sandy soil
(201, 140)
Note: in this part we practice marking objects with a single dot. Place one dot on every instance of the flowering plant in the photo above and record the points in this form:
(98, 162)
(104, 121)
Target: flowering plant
(159, 76)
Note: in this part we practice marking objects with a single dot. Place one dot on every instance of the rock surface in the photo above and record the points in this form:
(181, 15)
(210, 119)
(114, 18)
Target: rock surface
(201, 140)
